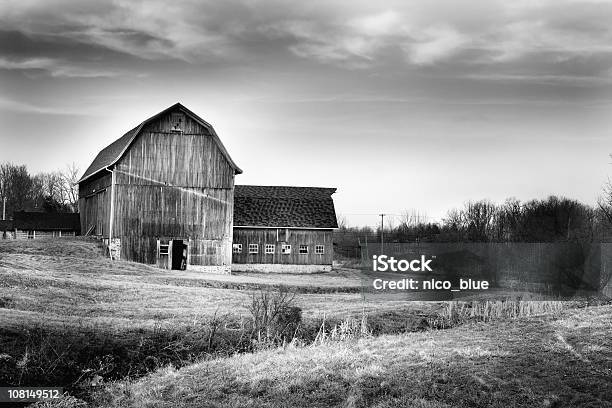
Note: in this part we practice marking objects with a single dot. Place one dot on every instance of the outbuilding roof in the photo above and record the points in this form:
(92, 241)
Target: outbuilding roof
(280, 206)
(114, 151)
(41, 221)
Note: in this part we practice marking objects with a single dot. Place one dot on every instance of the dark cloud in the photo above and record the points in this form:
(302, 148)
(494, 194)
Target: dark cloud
(350, 34)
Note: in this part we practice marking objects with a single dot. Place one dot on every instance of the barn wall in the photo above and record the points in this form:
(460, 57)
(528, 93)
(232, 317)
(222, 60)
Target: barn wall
(144, 214)
(94, 204)
(174, 186)
(190, 159)
(293, 237)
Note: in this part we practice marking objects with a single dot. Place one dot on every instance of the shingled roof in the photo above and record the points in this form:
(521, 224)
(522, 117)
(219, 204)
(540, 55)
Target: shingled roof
(278, 206)
(23, 220)
(113, 152)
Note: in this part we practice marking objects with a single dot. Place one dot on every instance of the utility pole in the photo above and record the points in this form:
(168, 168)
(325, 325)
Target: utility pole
(382, 227)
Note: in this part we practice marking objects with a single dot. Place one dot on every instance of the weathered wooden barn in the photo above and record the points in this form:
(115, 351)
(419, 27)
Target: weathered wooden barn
(163, 194)
(283, 229)
(32, 225)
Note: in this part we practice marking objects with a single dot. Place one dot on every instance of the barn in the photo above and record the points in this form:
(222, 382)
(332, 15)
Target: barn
(283, 229)
(163, 193)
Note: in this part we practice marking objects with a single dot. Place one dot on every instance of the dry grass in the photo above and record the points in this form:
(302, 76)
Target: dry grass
(558, 359)
(528, 362)
(69, 314)
(455, 313)
(69, 282)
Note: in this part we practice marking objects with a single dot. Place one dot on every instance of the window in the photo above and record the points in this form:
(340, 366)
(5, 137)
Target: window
(303, 249)
(319, 249)
(164, 249)
(31, 234)
(253, 248)
(176, 121)
(269, 248)
(237, 248)
(286, 249)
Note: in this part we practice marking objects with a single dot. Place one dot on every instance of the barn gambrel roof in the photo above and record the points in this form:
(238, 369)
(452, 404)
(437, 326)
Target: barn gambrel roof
(288, 207)
(113, 152)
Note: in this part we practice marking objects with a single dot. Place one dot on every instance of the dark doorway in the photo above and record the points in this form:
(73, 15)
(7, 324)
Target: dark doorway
(179, 255)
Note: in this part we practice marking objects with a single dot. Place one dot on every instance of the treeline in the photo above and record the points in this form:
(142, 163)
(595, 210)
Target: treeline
(48, 192)
(555, 219)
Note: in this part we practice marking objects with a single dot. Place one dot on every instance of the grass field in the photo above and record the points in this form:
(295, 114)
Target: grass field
(69, 314)
(562, 361)
(71, 317)
(70, 282)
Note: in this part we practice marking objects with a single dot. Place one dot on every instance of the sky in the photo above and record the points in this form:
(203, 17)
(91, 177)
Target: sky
(400, 105)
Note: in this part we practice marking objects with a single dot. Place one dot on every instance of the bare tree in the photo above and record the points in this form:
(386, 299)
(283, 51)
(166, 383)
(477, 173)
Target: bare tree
(413, 218)
(454, 220)
(16, 187)
(478, 217)
(342, 222)
(508, 219)
(604, 202)
(70, 177)
(56, 191)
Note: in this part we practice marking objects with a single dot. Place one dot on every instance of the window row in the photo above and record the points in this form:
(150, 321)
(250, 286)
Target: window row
(271, 248)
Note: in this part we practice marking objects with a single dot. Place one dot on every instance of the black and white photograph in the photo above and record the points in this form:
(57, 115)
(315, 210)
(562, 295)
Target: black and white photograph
(264, 203)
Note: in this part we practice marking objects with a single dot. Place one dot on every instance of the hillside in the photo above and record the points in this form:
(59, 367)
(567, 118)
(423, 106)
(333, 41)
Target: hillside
(70, 282)
(71, 317)
(535, 362)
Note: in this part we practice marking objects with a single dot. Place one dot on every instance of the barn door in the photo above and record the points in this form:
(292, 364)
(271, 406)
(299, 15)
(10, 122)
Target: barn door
(179, 254)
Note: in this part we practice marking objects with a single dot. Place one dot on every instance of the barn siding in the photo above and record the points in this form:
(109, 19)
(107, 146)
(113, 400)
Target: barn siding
(191, 158)
(144, 214)
(94, 204)
(279, 236)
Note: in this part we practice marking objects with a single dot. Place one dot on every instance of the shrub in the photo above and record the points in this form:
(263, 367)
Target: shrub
(275, 317)
(347, 329)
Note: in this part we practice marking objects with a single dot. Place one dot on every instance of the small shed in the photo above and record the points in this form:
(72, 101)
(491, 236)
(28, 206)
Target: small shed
(31, 225)
(283, 229)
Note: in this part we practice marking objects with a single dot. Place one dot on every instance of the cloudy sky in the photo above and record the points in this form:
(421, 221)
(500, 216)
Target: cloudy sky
(400, 105)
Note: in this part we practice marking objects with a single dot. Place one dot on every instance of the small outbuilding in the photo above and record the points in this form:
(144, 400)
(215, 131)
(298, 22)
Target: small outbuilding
(32, 225)
(283, 229)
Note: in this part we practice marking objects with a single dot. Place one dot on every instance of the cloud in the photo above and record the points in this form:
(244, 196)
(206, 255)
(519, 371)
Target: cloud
(510, 38)
(576, 80)
(438, 43)
(13, 105)
(55, 68)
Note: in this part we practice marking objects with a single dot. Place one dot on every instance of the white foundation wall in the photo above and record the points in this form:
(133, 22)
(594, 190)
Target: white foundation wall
(218, 269)
(280, 268)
